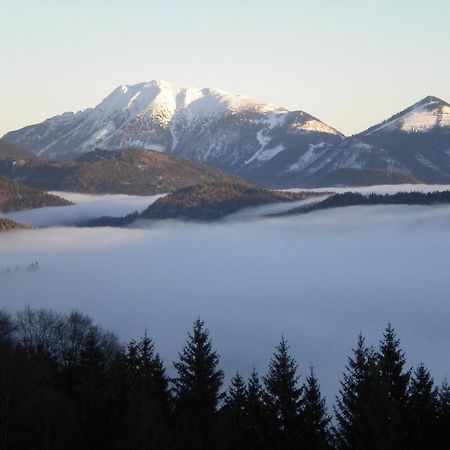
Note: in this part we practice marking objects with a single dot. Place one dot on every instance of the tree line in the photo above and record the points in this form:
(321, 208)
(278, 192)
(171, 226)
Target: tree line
(67, 384)
(359, 199)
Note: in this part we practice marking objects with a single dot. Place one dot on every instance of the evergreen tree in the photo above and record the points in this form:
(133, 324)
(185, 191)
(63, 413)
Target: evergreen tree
(283, 397)
(356, 406)
(256, 413)
(118, 394)
(422, 410)
(197, 388)
(234, 424)
(149, 409)
(315, 419)
(443, 413)
(237, 397)
(393, 393)
(90, 391)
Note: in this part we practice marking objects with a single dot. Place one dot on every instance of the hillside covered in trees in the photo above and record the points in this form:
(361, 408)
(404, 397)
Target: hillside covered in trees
(133, 172)
(357, 199)
(205, 203)
(15, 196)
(9, 225)
(67, 384)
(213, 201)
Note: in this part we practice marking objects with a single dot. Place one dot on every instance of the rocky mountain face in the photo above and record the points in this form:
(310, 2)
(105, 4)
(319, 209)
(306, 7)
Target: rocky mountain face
(414, 144)
(265, 144)
(230, 131)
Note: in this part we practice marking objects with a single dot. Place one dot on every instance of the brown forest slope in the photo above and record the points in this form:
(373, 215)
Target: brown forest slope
(135, 172)
(214, 201)
(9, 225)
(15, 196)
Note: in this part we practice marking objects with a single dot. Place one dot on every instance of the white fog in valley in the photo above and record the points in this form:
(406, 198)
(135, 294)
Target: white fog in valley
(85, 207)
(318, 279)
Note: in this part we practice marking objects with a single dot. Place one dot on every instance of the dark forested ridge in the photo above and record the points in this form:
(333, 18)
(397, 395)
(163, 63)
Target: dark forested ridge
(67, 384)
(133, 172)
(15, 196)
(213, 201)
(206, 203)
(355, 199)
(351, 176)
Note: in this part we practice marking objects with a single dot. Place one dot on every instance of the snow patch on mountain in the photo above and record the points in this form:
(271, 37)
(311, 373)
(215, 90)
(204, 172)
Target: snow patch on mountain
(307, 158)
(421, 117)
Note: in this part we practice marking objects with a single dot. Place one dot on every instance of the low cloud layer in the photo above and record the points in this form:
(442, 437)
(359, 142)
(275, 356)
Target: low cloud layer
(86, 207)
(319, 279)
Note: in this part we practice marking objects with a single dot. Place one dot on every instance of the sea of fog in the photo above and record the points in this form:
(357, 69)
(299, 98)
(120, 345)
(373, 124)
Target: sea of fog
(318, 279)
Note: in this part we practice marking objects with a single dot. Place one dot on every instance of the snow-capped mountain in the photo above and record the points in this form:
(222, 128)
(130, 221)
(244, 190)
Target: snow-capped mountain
(261, 142)
(231, 131)
(413, 143)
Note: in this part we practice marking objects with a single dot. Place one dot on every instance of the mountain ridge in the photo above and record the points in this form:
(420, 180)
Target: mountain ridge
(263, 143)
(133, 172)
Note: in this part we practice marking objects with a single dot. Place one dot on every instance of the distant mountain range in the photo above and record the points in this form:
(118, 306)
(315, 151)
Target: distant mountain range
(263, 143)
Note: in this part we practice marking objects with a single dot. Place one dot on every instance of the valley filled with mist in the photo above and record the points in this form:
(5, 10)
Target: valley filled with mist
(317, 279)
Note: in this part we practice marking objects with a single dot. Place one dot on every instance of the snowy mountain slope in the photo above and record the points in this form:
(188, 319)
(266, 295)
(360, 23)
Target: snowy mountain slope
(230, 131)
(414, 143)
(263, 143)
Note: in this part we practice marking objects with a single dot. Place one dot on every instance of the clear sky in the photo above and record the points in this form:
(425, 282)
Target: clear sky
(351, 63)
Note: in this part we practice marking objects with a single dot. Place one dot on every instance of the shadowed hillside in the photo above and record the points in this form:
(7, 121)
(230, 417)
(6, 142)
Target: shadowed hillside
(15, 196)
(215, 201)
(9, 225)
(206, 203)
(132, 172)
(357, 199)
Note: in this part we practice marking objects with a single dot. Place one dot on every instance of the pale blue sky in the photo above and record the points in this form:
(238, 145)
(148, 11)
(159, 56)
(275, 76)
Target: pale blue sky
(349, 62)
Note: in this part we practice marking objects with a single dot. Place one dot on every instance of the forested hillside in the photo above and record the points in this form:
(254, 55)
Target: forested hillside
(355, 199)
(9, 225)
(15, 196)
(132, 172)
(205, 203)
(67, 384)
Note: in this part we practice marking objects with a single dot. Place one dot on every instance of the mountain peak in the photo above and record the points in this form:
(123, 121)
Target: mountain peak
(203, 124)
(429, 113)
(430, 100)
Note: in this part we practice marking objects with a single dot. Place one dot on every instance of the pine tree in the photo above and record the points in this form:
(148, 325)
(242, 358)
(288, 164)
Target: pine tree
(118, 394)
(283, 397)
(237, 397)
(356, 409)
(422, 410)
(197, 388)
(393, 394)
(257, 414)
(234, 424)
(91, 392)
(149, 396)
(443, 412)
(315, 420)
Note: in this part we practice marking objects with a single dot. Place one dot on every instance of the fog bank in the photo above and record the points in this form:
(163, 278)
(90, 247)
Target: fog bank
(86, 207)
(319, 279)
